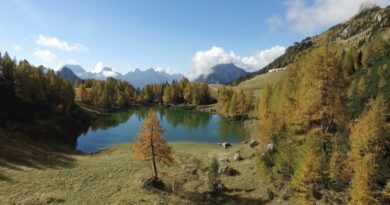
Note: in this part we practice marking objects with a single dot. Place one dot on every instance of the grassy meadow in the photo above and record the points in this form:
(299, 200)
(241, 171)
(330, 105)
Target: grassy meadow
(33, 174)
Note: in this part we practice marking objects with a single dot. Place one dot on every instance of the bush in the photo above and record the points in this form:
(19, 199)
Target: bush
(213, 175)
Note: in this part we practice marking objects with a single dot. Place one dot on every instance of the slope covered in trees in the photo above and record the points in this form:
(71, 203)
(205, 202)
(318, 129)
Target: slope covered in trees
(113, 93)
(34, 100)
(353, 32)
(327, 119)
(233, 104)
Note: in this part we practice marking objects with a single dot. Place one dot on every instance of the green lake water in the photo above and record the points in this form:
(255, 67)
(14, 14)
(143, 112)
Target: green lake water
(179, 126)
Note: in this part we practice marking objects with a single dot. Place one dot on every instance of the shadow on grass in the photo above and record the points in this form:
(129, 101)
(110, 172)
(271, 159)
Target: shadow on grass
(21, 151)
(4, 178)
(221, 198)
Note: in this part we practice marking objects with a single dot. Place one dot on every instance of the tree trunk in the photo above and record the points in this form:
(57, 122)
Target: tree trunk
(153, 155)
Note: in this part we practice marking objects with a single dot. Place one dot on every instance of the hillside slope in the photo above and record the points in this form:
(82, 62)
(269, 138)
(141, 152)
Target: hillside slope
(355, 32)
(328, 116)
(257, 84)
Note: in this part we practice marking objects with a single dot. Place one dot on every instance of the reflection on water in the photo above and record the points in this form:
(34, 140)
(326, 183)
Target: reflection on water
(179, 125)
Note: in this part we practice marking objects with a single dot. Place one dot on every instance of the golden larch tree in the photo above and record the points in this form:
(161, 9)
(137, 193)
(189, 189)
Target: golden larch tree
(369, 140)
(150, 146)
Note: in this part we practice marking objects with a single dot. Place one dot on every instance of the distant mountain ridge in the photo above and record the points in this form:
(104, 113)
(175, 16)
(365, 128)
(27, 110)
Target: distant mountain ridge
(137, 77)
(140, 78)
(68, 74)
(222, 74)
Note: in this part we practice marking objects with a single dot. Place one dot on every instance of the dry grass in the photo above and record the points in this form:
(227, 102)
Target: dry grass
(257, 84)
(113, 176)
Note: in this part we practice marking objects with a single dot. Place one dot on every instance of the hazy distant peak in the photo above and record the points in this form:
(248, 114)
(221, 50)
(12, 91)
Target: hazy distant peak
(106, 69)
(76, 69)
(222, 74)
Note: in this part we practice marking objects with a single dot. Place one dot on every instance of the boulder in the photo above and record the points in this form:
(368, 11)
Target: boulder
(253, 143)
(237, 157)
(225, 145)
(228, 171)
(223, 159)
(270, 147)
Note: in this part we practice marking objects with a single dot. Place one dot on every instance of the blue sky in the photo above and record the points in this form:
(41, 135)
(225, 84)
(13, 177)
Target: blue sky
(174, 35)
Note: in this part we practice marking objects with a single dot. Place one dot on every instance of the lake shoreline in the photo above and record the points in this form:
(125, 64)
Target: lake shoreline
(181, 125)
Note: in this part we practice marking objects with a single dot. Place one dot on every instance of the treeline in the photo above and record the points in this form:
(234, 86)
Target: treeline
(234, 104)
(22, 84)
(105, 94)
(325, 127)
(113, 93)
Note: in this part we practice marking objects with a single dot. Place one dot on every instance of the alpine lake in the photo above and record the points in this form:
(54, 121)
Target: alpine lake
(179, 126)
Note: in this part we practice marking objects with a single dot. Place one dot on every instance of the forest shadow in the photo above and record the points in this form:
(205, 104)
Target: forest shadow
(21, 151)
(222, 198)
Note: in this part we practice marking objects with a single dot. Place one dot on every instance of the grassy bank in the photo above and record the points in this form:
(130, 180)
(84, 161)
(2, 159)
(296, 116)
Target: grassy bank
(113, 176)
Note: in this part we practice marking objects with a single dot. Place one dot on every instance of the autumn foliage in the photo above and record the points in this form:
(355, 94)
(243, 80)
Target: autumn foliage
(150, 146)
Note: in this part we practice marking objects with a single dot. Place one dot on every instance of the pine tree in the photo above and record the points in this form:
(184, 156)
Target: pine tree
(386, 193)
(249, 100)
(196, 96)
(266, 117)
(167, 96)
(81, 93)
(322, 100)
(263, 105)
(150, 146)
(370, 139)
(233, 105)
(187, 95)
(224, 97)
(213, 175)
(361, 191)
(7, 68)
(308, 177)
(371, 132)
(338, 167)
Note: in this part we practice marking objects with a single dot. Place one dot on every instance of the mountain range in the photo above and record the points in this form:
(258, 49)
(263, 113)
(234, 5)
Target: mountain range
(137, 77)
(68, 74)
(222, 74)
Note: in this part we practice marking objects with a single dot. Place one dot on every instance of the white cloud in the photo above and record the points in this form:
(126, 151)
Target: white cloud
(306, 17)
(17, 48)
(98, 67)
(62, 45)
(45, 56)
(71, 61)
(203, 61)
(274, 23)
(48, 59)
(168, 70)
(262, 58)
